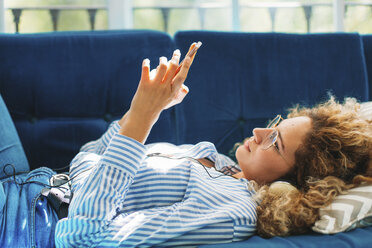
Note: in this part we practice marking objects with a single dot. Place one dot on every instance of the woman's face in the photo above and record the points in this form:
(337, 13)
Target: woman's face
(264, 164)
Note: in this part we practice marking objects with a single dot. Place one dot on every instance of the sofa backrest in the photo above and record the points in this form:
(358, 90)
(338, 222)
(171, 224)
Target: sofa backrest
(367, 45)
(63, 89)
(240, 80)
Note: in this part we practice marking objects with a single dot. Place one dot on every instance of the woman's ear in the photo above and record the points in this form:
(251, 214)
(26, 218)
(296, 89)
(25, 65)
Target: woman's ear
(275, 213)
(280, 188)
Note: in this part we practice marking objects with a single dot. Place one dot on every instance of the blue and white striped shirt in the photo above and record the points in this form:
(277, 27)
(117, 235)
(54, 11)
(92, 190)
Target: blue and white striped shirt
(124, 198)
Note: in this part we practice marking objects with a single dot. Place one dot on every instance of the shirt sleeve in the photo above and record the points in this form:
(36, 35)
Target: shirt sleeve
(186, 223)
(175, 225)
(90, 154)
(180, 224)
(99, 146)
(96, 201)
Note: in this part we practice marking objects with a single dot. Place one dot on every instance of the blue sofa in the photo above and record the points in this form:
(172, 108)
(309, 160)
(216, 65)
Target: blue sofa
(63, 89)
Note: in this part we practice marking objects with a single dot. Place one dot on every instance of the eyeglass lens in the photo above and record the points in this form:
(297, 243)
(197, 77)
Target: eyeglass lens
(273, 136)
(270, 139)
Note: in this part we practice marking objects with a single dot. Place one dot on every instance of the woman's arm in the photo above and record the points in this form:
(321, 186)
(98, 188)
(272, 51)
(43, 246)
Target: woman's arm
(100, 195)
(158, 90)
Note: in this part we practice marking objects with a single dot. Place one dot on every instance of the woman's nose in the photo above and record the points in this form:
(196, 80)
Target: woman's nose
(259, 134)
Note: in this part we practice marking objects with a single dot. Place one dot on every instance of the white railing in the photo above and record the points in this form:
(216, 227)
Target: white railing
(54, 12)
(2, 19)
(120, 12)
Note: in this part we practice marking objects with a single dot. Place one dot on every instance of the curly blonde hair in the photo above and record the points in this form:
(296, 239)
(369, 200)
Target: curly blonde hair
(334, 157)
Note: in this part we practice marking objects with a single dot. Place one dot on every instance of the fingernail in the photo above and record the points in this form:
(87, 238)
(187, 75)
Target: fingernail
(185, 89)
(146, 62)
(162, 60)
(176, 56)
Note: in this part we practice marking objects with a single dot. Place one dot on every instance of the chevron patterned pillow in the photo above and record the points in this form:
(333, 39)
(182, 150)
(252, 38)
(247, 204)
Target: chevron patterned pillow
(347, 212)
(366, 110)
(351, 210)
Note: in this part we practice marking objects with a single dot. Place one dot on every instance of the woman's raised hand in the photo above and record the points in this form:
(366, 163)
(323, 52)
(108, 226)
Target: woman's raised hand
(156, 91)
(162, 88)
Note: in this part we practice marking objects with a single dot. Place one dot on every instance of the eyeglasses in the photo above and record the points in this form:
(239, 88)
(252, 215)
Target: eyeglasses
(272, 138)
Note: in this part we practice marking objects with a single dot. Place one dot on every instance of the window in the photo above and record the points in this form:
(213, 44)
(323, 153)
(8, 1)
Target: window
(294, 16)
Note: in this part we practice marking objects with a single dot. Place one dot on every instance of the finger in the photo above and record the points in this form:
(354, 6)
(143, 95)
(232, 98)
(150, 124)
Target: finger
(176, 56)
(188, 55)
(145, 74)
(181, 94)
(172, 67)
(161, 70)
(191, 47)
(179, 97)
(152, 74)
(184, 89)
(181, 76)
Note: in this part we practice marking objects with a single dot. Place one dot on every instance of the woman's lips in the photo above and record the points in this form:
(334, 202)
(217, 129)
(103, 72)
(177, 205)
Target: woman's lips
(246, 145)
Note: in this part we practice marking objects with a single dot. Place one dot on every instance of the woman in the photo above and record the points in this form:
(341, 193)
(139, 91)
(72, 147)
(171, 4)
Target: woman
(128, 194)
